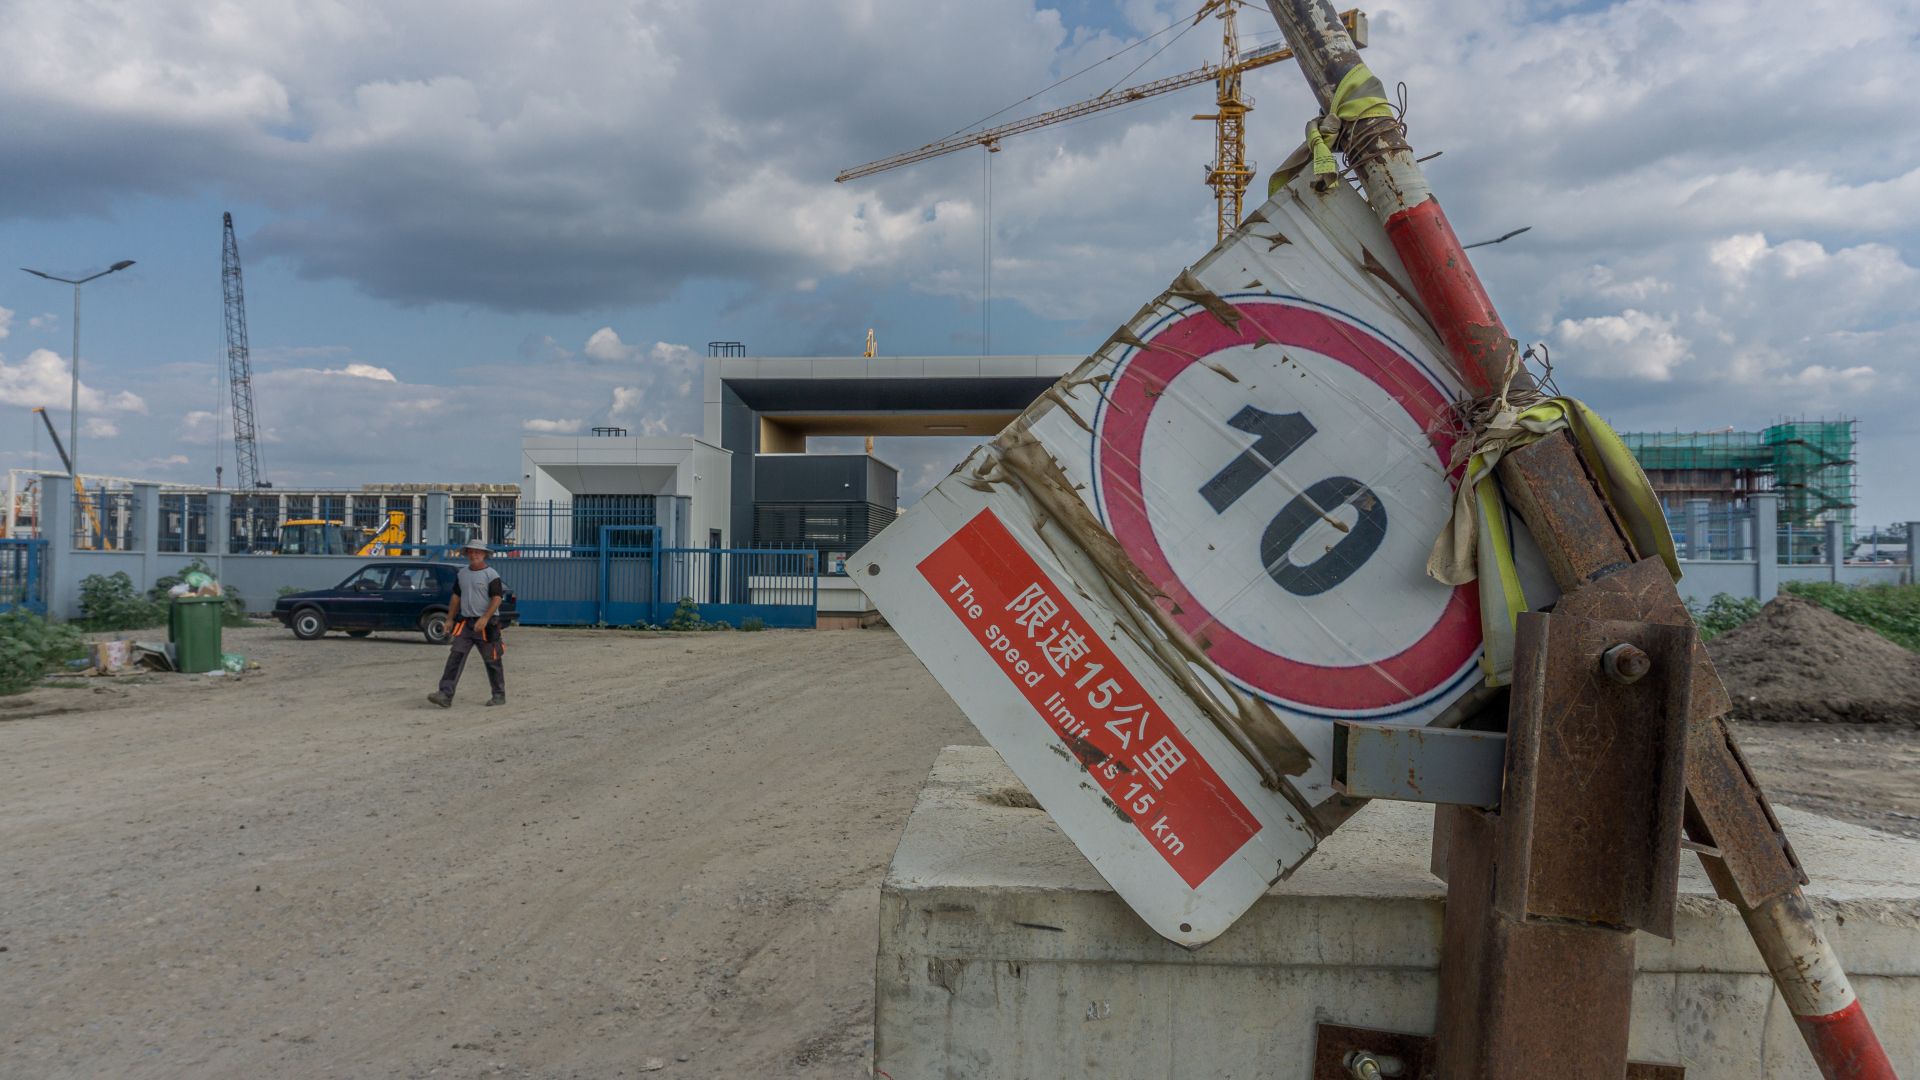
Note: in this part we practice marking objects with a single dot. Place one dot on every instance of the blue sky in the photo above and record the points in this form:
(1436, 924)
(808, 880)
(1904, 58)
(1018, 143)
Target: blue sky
(462, 219)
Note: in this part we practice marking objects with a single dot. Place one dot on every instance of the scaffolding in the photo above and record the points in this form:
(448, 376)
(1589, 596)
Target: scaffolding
(1809, 464)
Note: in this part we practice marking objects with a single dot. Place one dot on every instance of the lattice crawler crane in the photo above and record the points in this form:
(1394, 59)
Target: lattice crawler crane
(246, 448)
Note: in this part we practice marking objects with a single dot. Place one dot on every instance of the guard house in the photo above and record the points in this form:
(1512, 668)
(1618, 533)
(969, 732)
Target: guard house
(572, 486)
(761, 409)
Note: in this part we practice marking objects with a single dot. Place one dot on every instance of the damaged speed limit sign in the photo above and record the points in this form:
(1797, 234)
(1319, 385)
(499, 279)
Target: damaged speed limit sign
(1154, 591)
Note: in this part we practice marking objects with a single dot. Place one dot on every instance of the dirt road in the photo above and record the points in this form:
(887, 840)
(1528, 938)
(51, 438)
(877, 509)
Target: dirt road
(667, 847)
(664, 847)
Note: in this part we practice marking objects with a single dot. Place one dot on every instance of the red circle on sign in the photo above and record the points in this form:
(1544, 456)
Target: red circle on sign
(1402, 679)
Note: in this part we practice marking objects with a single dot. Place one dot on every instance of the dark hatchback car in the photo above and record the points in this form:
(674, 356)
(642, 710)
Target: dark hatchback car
(410, 595)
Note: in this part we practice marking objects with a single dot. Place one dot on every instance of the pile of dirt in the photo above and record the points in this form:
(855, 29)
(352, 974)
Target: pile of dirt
(1797, 661)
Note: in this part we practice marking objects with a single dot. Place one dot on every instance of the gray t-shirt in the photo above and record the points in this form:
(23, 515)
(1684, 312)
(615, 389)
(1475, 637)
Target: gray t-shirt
(476, 587)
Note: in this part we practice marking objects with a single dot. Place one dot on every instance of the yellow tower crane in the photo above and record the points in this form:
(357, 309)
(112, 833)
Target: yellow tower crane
(1229, 173)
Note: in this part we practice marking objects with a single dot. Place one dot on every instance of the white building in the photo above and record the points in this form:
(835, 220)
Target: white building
(570, 486)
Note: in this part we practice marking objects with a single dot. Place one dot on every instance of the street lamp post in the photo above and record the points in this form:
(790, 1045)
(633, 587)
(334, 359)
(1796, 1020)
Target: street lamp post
(73, 411)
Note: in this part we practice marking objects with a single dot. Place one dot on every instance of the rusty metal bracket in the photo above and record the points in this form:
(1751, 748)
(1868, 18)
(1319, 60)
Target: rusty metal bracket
(1418, 764)
(1536, 968)
(1596, 772)
(1342, 1053)
(1729, 820)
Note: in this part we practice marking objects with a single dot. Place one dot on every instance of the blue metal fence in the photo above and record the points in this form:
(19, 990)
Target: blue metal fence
(23, 583)
(629, 579)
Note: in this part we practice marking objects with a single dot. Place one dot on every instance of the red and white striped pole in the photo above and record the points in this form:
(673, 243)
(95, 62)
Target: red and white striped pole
(1456, 302)
(1816, 990)
(1788, 934)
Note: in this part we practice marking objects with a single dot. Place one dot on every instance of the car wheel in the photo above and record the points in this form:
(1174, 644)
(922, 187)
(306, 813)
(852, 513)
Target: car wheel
(309, 623)
(359, 633)
(434, 625)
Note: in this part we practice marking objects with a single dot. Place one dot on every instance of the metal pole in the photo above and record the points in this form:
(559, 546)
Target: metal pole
(73, 410)
(1841, 1040)
(1397, 189)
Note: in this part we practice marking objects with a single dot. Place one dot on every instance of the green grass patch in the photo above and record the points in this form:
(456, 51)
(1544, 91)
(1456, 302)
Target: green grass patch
(1892, 611)
(31, 646)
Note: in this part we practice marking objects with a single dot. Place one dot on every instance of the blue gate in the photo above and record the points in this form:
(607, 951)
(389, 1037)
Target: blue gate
(629, 579)
(23, 584)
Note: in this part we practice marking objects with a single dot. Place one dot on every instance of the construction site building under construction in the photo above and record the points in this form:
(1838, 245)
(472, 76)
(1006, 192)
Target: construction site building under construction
(1808, 465)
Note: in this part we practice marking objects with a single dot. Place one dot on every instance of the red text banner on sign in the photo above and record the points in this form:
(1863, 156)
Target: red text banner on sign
(1079, 689)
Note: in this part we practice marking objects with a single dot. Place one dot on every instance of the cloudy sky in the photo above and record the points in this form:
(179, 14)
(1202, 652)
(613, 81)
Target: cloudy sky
(465, 221)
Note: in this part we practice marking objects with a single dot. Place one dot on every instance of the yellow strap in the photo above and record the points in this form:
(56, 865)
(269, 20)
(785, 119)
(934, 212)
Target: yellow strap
(1622, 483)
(1358, 97)
(1497, 567)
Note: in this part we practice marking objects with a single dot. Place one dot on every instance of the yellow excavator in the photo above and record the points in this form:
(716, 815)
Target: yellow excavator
(315, 536)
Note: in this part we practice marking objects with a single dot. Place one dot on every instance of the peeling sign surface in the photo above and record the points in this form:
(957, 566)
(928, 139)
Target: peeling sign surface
(1235, 535)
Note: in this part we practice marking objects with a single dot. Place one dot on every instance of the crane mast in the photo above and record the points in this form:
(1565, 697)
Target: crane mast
(246, 450)
(1229, 173)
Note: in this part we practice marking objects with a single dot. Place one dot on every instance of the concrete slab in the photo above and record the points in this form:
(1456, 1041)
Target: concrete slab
(1004, 954)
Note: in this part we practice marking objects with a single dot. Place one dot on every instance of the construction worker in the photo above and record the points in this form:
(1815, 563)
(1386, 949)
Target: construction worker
(477, 593)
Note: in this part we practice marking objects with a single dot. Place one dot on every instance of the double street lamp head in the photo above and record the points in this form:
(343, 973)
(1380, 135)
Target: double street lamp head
(121, 265)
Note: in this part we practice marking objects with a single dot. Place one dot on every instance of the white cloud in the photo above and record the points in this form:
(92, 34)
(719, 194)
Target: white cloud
(552, 427)
(44, 321)
(169, 463)
(1694, 253)
(363, 371)
(43, 379)
(196, 426)
(1630, 343)
(605, 345)
(6, 322)
(99, 428)
(663, 375)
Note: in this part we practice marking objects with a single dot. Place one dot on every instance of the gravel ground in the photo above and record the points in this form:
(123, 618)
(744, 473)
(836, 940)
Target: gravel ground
(661, 858)
(664, 847)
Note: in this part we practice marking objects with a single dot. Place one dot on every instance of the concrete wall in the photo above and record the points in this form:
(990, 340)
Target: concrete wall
(259, 578)
(711, 487)
(1004, 956)
(1702, 580)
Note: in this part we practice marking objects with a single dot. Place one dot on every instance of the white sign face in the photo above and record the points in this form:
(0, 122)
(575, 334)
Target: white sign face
(1270, 444)
(1272, 488)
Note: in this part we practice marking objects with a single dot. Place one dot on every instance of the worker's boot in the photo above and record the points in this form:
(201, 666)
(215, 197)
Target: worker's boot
(497, 699)
(440, 699)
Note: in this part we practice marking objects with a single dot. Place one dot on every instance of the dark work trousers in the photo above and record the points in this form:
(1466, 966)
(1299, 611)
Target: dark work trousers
(467, 637)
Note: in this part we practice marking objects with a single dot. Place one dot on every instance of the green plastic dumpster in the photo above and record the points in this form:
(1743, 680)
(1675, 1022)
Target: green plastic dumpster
(193, 625)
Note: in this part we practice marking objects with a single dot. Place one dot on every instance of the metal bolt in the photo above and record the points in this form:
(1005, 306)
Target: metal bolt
(1626, 663)
(1363, 1066)
(873, 569)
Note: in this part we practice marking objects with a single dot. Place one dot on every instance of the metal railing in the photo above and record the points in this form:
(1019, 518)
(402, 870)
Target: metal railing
(551, 524)
(1727, 533)
(184, 521)
(106, 521)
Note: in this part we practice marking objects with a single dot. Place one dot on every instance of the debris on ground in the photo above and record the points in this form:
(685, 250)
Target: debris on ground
(1798, 662)
(121, 657)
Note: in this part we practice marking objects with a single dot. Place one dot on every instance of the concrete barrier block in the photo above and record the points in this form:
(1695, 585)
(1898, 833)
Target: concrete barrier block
(1003, 954)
